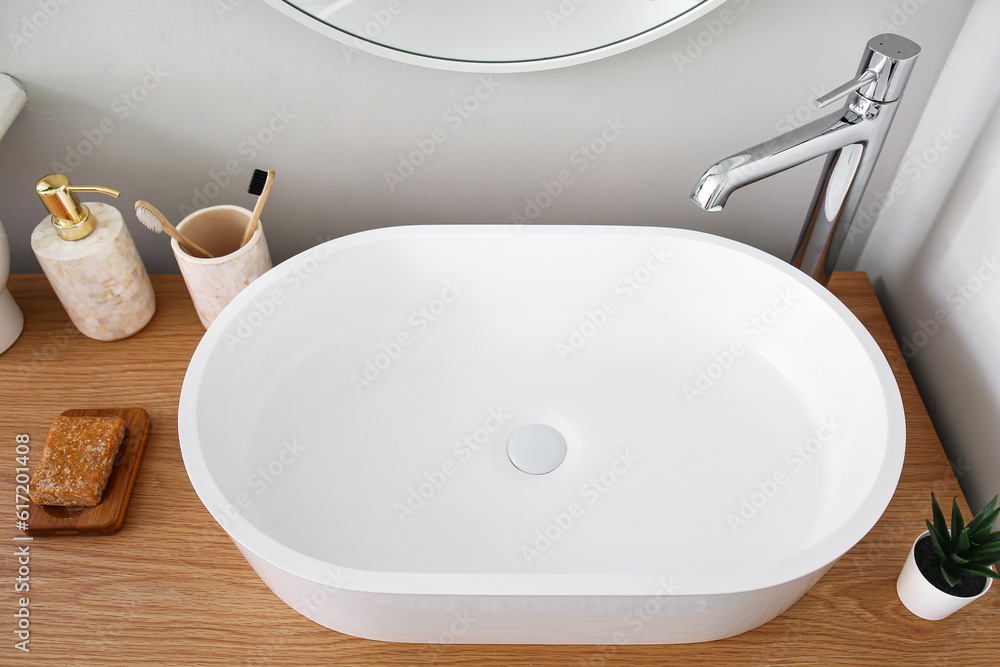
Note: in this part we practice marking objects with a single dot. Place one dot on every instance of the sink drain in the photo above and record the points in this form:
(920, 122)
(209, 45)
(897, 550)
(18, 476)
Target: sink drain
(536, 449)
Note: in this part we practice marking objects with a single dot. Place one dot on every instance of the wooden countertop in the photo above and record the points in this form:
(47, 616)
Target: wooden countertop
(170, 588)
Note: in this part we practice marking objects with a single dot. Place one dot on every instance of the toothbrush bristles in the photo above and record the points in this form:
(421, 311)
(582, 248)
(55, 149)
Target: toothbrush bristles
(149, 219)
(257, 182)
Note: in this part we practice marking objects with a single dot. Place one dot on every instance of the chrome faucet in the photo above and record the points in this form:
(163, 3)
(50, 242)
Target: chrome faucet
(853, 137)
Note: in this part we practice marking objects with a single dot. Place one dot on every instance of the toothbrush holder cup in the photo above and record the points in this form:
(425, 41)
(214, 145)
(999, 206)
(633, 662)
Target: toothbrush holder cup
(214, 282)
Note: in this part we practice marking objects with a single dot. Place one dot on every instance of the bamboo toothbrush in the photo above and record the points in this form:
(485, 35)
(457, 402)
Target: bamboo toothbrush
(156, 222)
(260, 185)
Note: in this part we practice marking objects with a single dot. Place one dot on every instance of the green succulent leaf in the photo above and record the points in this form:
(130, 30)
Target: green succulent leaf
(982, 525)
(964, 543)
(985, 555)
(987, 542)
(939, 523)
(941, 543)
(957, 525)
(973, 569)
(984, 548)
(952, 575)
(986, 517)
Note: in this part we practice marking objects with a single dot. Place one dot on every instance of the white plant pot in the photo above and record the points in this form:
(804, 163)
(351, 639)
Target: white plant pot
(922, 597)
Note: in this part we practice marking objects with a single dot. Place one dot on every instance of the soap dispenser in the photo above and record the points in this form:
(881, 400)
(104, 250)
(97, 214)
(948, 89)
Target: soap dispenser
(91, 261)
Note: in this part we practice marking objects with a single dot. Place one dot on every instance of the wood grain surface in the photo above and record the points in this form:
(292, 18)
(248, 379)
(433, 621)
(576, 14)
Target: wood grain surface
(170, 588)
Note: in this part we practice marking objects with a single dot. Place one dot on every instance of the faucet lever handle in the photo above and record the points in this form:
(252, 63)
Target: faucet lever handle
(866, 77)
(883, 73)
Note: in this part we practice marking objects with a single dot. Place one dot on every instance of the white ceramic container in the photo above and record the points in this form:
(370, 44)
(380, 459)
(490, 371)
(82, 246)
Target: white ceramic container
(11, 318)
(925, 599)
(12, 99)
(730, 431)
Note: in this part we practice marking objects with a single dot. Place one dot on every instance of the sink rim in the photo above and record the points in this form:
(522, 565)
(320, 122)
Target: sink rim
(825, 551)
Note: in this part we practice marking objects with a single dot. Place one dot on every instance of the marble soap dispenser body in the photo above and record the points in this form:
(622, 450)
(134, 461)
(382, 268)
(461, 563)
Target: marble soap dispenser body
(89, 257)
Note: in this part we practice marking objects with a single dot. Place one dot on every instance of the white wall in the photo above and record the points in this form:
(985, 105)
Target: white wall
(933, 256)
(215, 73)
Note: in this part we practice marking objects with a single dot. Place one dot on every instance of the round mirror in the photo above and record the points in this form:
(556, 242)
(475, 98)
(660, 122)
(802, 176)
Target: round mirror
(495, 35)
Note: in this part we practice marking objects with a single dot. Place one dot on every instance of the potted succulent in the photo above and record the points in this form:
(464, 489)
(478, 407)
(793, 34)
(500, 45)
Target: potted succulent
(949, 568)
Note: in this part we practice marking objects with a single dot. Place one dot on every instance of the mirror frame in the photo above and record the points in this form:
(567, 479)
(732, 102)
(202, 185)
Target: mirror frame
(597, 52)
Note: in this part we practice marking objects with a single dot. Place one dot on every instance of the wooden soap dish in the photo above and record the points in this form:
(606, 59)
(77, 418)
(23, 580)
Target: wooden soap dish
(107, 516)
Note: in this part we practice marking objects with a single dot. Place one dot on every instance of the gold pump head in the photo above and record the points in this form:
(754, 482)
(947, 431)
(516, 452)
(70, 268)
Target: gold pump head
(71, 219)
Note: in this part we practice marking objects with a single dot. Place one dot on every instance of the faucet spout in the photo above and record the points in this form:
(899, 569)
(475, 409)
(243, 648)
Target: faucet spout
(851, 139)
(714, 187)
(770, 157)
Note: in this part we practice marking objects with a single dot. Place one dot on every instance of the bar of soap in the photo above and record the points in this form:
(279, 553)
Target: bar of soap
(76, 461)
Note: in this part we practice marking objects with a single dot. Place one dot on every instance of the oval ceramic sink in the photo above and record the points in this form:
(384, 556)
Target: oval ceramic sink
(543, 429)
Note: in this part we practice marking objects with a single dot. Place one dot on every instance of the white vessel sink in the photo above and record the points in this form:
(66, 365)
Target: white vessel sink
(699, 432)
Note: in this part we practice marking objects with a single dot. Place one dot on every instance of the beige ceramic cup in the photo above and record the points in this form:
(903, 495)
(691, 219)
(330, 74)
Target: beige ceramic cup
(215, 281)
